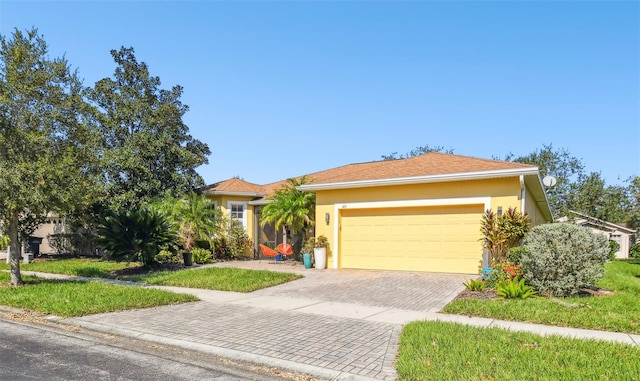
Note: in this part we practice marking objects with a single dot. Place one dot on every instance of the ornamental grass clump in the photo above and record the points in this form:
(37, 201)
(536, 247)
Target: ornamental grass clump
(561, 259)
(476, 285)
(514, 289)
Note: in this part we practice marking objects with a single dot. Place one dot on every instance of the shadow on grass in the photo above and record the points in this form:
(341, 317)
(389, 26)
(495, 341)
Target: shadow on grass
(92, 272)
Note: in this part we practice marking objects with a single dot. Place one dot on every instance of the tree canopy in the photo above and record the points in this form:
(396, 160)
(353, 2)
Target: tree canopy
(558, 163)
(416, 152)
(71, 149)
(147, 146)
(48, 143)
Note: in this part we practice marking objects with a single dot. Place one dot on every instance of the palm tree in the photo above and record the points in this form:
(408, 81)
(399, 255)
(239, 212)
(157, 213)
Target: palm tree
(292, 208)
(136, 235)
(194, 217)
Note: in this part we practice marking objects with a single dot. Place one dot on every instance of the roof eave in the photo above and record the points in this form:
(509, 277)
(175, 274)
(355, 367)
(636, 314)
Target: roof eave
(461, 176)
(600, 222)
(262, 201)
(536, 187)
(233, 193)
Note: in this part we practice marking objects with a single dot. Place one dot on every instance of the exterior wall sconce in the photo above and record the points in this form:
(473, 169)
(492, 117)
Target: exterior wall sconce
(327, 218)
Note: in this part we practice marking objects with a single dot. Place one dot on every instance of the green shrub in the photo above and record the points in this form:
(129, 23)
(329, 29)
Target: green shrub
(221, 248)
(136, 235)
(613, 249)
(201, 255)
(514, 289)
(239, 242)
(516, 253)
(634, 250)
(561, 258)
(166, 256)
(203, 244)
(4, 242)
(62, 243)
(475, 285)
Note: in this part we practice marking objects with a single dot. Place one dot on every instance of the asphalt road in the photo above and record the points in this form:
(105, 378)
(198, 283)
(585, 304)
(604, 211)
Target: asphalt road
(49, 352)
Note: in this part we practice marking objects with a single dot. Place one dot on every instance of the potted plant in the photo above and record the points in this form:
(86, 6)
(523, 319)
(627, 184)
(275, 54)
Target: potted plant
(307, 252)
(320, 247)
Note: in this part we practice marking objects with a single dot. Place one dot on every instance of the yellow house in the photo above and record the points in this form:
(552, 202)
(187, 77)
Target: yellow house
(419, 214)
(241, 201)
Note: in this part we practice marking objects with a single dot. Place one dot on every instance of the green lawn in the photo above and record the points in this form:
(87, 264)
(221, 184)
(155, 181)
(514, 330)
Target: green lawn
(223, 279)
(81, 267)
(449, 351)
(619, 312)
(68, 298)
(220, 278)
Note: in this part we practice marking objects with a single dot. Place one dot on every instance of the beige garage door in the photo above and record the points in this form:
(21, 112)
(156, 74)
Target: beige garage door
(435, 238)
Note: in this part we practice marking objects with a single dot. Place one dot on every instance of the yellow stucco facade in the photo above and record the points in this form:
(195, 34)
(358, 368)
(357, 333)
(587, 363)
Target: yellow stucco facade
(225, 202)
(437, 224)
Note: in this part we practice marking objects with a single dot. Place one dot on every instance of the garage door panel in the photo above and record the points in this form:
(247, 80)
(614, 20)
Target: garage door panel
(445, 238)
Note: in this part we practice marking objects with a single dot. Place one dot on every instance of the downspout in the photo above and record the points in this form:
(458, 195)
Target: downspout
(523, 194)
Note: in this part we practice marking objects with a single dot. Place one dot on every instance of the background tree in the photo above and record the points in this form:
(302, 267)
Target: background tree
(559, 164)
(590, 195)
(417, 152)
(292, 208)
(47, 139)
(633, 216)
(147, 146)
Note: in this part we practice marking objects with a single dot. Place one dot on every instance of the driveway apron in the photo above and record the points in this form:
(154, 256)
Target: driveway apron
(333, 324)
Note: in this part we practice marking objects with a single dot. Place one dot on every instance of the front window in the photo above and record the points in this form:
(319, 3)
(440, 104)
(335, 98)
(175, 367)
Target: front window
(238, 214)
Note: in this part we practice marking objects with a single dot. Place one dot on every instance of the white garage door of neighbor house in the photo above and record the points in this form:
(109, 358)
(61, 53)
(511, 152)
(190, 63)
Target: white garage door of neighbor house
(432, 238)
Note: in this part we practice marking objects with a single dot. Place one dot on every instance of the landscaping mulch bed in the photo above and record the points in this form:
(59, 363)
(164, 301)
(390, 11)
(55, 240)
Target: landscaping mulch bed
(143, 270)
(487, 294)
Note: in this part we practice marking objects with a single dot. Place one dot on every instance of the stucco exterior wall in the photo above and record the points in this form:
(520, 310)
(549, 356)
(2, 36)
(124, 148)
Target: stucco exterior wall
(533, 210)
(223, 202)
(52, 225)
(502, 192)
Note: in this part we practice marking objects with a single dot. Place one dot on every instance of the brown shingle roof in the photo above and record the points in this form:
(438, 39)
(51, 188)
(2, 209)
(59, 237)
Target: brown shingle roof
(234, 185)
(433, 163)
(430, 164)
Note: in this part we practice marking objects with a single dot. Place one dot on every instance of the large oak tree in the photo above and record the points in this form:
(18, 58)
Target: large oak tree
(47, 139)
(147, 146)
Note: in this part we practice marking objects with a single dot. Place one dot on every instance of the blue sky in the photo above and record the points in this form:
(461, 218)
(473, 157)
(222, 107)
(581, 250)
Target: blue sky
(280, 89)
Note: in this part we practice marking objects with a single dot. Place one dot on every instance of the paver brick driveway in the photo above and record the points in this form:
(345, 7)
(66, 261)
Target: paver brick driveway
(347, 322)
(418, 291)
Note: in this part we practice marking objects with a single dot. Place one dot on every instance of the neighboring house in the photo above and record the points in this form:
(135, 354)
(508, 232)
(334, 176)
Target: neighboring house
(53, 224)
(417, 214)
(614, 232)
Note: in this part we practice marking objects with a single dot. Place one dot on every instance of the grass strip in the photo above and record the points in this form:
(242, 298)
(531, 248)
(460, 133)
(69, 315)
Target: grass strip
(619, 312)
(89, 267)
(219, 278)
(449, 351)
(71, 298)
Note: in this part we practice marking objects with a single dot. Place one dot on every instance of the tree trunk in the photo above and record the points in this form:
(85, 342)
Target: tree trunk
(296, 243)
(15, 249)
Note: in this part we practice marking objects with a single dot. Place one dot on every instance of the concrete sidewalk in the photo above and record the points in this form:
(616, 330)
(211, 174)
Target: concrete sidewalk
(323, 338)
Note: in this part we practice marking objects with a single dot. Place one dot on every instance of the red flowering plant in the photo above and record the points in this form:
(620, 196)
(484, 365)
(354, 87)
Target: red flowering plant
(505, 271)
